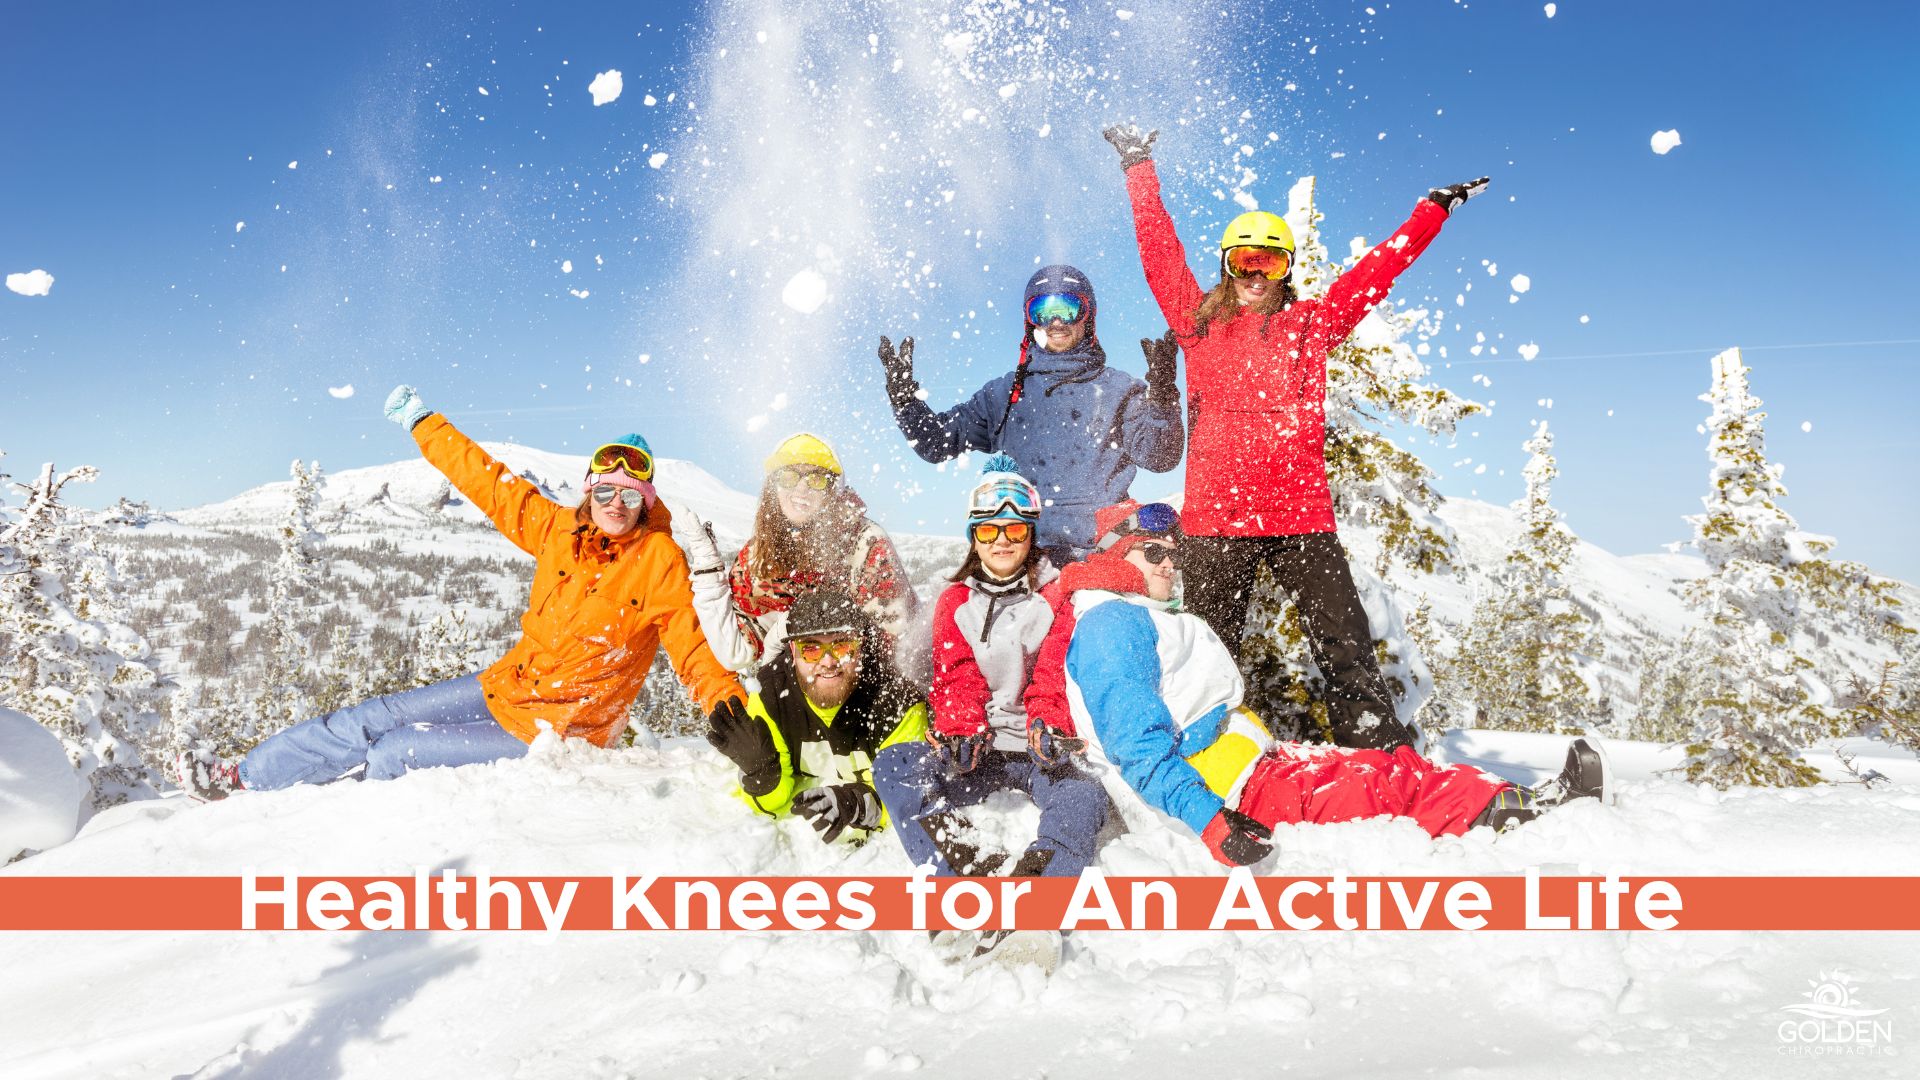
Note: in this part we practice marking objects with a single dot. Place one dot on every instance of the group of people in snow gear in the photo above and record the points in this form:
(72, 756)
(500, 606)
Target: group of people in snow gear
(1058, 655)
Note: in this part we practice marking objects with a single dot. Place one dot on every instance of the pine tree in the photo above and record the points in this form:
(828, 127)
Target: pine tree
(1773, 603)
(1519, 657)
(1376, 378)
(298, 569)
(67, 656)
(445, 647)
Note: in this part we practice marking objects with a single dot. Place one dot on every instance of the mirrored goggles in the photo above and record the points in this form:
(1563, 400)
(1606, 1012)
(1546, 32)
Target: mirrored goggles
(813, 650)
(1271, 263)
(813, 479)
(636, 462)
(1047, 307)
(604, 495)
(1016, 532)
(1153, 519)
(996, 497)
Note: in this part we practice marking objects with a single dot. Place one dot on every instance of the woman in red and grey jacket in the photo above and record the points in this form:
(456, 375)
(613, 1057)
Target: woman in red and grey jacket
(1256, 489)
(995, 725)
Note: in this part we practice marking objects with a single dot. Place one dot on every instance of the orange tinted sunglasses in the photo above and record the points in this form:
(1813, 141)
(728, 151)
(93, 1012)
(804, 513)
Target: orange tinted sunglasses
(1016, 532)
(813, 651)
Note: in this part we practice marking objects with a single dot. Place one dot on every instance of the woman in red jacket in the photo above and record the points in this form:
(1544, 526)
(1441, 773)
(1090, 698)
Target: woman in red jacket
(1256, 488)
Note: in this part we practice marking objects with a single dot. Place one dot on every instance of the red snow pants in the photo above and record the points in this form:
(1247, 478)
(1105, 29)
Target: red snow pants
(1294, 783)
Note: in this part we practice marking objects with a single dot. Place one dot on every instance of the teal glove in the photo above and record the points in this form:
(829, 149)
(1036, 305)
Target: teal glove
(405, 408)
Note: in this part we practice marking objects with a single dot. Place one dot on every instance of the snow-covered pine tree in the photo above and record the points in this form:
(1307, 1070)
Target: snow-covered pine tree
(1775, 607)
(445, 647)
(1519, 656)
(67, 656)
(282, 699)
(1375, 379)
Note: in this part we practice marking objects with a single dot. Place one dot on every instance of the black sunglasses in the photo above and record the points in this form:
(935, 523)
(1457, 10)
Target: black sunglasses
(1155, 554)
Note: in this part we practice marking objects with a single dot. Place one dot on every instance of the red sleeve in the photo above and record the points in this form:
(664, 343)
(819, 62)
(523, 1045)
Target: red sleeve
(960, 692)
(750, 601)
(1360, 289)
(1046, 696)
(1161, 255)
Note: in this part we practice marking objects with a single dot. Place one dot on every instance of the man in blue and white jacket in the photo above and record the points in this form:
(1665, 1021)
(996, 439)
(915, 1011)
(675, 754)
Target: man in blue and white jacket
(1157, 696)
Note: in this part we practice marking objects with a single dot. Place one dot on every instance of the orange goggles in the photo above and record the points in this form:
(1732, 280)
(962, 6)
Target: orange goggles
(813, 650)
(1272, 263)
(1016, 532)
(636, 462)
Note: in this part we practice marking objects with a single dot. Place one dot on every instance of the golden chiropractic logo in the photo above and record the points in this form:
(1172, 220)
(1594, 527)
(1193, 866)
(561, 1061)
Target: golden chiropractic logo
(1834, 1022)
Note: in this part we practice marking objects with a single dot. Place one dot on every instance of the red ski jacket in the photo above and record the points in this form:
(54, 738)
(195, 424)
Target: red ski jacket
(1257, 395)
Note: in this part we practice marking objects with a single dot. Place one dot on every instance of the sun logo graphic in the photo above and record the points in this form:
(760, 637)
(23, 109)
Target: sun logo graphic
(1833, 1021)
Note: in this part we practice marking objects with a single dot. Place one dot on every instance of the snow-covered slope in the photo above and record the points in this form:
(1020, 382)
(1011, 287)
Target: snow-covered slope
(845, 1003)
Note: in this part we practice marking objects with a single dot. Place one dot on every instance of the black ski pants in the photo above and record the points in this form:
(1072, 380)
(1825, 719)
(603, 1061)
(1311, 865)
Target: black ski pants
(1218, 572)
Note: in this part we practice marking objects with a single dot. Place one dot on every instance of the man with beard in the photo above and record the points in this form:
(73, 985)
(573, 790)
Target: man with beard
(828, 703)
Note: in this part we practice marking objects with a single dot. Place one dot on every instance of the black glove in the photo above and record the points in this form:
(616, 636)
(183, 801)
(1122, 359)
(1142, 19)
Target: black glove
(1133, 146)
(962, 753)
(1162, 366)
(1236, 839)
(901, 385)
(1048, 746)
(1450, 198)
(833, 810)
(747, 742)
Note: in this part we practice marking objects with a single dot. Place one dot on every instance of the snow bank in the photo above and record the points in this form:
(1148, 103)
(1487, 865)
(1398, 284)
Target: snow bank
(31, 283)
(734, 1004)
(40, 794)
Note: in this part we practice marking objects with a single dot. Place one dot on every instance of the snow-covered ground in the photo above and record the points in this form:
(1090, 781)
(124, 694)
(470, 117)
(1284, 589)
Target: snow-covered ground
(833, 1004)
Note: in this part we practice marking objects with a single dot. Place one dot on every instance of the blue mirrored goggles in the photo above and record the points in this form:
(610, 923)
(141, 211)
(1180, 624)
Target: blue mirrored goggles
(1154, 519)
(1047, 307)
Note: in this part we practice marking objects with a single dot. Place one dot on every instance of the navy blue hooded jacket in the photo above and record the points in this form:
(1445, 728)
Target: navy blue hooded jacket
(1079, 429)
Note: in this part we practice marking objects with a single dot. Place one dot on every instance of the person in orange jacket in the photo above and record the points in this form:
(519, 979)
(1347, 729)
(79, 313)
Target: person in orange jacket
(609, 587)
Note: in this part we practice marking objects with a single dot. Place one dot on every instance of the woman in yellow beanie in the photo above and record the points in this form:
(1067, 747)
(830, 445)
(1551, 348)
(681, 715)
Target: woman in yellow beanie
(810, 533)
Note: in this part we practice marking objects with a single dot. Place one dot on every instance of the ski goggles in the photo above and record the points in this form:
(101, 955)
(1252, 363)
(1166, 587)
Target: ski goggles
(1047, 307)
(634, 461)
(632, 499)
(813, 650)
(1272, 263)
(1003, 498)
(1016, 532)
(812, 479)
(1157, 520)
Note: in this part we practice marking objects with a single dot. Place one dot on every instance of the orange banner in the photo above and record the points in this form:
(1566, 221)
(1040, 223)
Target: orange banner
(442, 900)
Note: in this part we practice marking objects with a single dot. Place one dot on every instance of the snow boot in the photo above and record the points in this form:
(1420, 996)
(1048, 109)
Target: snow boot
(208, 780)
(1018, 948)
(1587, 775)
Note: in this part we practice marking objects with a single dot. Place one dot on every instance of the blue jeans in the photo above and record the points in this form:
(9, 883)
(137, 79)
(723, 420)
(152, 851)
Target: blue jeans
(914, 782)
(441, 724)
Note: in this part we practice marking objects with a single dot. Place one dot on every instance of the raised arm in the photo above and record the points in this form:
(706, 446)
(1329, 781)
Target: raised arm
(1161, 256)
(935, 436)
(1363, 287)
(669, 603)
(515, 507)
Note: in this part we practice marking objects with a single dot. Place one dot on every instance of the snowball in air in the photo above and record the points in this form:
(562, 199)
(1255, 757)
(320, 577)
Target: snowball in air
(805, 292)
(1520, 283)
(1664, 141)
(1552, 9)
(566, 266)
(341, 392)
(605, 87)
(31, 283)
(239, 225)
(657, 160)
(1529, 351)
(1806, 425)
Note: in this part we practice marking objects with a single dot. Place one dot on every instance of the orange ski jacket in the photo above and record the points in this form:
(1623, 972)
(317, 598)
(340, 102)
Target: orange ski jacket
(600, 604)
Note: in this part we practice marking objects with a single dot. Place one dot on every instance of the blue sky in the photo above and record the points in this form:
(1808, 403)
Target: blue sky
(175, 352)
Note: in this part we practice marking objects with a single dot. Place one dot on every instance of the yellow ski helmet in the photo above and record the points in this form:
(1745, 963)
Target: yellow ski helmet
(804, 449)
(1257, 228)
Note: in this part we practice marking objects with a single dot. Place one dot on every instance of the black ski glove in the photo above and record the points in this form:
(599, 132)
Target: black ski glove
(1134, 147)
(833, 810)
(1450, 198)
(1162, 367)
(1050, 747)
(962, 753)
(901, 385)
(747, 742)
(1236, 839)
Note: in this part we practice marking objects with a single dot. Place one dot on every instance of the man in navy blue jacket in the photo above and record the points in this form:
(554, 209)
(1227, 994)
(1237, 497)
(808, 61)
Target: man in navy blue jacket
(1080, 428)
